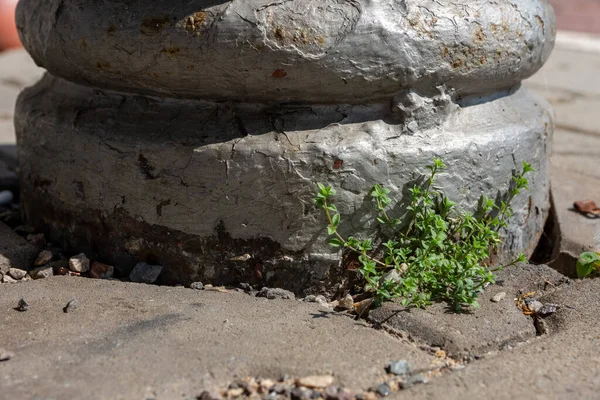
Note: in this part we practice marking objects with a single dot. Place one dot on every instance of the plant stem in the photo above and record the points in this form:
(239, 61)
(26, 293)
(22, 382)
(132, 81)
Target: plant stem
(330, 220)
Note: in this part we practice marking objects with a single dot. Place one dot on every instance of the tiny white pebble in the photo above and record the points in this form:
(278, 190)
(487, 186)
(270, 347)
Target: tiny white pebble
(498, 297)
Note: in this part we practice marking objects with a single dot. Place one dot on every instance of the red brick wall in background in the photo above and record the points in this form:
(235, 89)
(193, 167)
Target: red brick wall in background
(577, 15)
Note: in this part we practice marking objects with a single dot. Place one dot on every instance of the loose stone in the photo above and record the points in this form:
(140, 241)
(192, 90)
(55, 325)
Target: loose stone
(275, 293)
(17, 273)
(498, 297)
(5, 355)
(235, 392)
(266, 384)
(534, 305)
(197, 286)
(400, 367)
(383, 389)
(145, 273)
(316, 381)
(71, 306)
(347, 303)
(300, 394)
(369, 396)
(23, 305)
(43, 258)
(8, 279)
(99, 270)
(79, 263)
(392, 275)
(547, 309)
(41, 273)
(414, 380)
(210, 395)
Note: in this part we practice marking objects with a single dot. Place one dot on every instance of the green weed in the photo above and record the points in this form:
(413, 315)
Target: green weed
(588, 264)
(439, 253)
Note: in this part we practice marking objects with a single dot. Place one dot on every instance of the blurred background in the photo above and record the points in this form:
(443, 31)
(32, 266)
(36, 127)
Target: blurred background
(572, 15)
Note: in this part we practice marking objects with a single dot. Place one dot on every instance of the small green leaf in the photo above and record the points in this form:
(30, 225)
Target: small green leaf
(335, 242)
(335, 220)
(587, 263)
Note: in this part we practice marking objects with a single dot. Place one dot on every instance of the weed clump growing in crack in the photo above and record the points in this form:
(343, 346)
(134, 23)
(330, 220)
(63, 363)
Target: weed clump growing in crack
(438, 253)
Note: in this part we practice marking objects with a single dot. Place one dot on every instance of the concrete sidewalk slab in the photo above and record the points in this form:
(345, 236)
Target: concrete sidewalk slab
(127, 341)
(561, 366)
(574, 233)
(491, 327)
(569, 71)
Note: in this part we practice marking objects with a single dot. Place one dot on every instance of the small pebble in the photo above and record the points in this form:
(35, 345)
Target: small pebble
(330, 393)
(547, 309)
(498, 297)
(281, 389)
(266, 384)
(5, 355)
(534, 305)
(79, 263)
(41, 273)
(399, 368)
(43, 258)
(316, 381)
(145, 273)
(414, 380)
(197, 286)
(16, 273)
(235, 392)
(370, 396)
(71, 306)
(300, 394)
(347, 303)
(275, 293)
(383, 389)
(210, 395)
(99, 270)
(23, 305)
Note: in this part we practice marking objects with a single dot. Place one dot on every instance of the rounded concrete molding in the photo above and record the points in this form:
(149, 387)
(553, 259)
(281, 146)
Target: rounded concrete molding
(198, 184)
(300, 51)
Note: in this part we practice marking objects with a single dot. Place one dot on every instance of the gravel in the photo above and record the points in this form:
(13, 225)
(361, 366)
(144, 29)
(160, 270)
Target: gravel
(99, 270)
(145, 273)
(23, 305)
(71, 306)
(41, 273)
(17, 273)
(400, 367)
(79, 263)
(383, 389)
(316, 381)
(498, 297)
(275, 293)
(5, 355)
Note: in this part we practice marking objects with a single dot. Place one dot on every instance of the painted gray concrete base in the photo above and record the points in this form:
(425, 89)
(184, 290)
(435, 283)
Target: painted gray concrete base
(191, 185)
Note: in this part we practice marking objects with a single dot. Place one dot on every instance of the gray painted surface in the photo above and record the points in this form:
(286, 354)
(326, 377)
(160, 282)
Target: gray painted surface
(251, 170)
(309, 51)
(378, 89)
